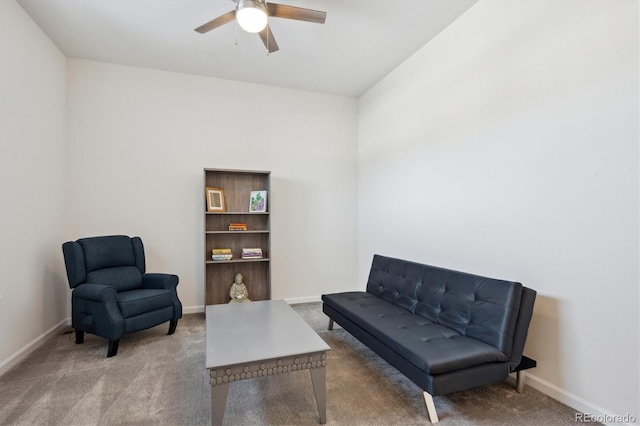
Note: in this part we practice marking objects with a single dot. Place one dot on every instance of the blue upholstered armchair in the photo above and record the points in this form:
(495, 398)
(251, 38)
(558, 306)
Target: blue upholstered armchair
(112, 295)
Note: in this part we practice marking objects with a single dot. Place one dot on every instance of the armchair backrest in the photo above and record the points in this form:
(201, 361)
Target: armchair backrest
(115, 260)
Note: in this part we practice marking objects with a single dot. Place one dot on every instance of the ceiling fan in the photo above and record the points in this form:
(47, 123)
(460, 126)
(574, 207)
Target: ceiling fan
(253, 17)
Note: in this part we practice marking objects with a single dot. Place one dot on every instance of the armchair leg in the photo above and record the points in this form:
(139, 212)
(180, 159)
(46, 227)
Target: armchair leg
(79, 336)
(172, 327)
(330, 324)
(113, 348)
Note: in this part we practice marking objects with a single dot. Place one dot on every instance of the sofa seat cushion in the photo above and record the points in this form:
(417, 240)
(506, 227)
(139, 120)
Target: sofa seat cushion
(140, 301)
(431, 347)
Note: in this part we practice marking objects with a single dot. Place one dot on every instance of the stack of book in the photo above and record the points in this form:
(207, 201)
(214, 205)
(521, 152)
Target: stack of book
(251, 253)
(221, 254)
(237, 226)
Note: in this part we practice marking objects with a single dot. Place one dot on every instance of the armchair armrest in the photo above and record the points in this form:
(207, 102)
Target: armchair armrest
(96, 292)
(94, 309)
(165, 282)
(159, 281)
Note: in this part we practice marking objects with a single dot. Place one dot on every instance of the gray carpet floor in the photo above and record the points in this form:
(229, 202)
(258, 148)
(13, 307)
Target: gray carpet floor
(161, 380)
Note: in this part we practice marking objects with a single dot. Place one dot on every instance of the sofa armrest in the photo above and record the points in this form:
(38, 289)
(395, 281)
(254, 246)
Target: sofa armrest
(160, 281)
(525, 313)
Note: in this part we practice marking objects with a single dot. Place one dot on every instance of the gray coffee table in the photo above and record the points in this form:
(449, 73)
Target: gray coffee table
(257, 339)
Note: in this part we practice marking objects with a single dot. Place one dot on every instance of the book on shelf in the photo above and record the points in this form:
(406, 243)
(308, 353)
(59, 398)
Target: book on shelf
(237, 226)
(221, 254)
(252, 253)
(221, 251)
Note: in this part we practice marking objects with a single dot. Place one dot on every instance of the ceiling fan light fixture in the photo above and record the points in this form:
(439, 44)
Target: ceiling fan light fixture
(251, 15)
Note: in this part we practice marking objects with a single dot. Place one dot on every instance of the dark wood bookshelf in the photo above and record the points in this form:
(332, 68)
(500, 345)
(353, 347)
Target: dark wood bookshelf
(219, 274)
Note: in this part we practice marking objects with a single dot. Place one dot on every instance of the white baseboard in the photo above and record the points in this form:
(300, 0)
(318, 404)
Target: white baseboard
(192, 309)
(574, 401)
(291, 301)
(26, 350)
(296, 300)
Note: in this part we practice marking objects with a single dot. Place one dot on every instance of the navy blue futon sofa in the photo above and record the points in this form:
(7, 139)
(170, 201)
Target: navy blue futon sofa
(445, 330)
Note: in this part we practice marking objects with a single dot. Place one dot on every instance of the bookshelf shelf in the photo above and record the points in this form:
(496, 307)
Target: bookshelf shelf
(264, 259)
(237, 232)
(219, 274)
(237, 213)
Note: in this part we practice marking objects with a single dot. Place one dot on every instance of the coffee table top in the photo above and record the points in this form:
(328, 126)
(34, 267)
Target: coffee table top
(254, 331)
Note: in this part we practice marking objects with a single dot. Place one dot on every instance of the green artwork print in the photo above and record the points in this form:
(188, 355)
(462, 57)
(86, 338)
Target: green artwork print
(258, 201)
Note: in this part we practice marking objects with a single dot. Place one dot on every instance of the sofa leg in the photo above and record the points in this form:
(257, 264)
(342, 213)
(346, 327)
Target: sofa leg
(172, 327)
(431, 408)
(79, 336)
(520, 375)
(113, 348)
(330, 324)
(525, 364)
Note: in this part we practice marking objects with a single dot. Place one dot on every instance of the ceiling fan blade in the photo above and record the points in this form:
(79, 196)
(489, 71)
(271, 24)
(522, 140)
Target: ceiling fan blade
(297, 13)
(269, 41)
(218, 22)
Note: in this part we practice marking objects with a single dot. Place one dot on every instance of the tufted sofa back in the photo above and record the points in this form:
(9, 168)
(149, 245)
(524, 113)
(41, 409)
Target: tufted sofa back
(482, 308)
(115, 260)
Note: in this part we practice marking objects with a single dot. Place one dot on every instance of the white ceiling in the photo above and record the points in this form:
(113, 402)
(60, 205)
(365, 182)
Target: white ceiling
(360, 43)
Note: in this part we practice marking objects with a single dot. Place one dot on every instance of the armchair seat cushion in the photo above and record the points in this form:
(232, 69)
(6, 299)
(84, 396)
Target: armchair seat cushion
(140, 301)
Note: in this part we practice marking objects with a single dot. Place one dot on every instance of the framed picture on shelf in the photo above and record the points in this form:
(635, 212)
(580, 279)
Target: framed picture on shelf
(258, 202)
(215, 199)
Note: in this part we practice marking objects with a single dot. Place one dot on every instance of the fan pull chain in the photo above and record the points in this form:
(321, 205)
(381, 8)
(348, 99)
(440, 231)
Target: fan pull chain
(236, 32)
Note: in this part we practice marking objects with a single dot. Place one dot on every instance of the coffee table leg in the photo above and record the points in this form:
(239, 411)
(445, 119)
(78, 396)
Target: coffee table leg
(218, 403)
(319, 380)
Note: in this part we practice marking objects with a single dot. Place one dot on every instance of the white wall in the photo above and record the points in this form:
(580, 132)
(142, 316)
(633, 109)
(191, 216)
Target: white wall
(34, 297)
(138, 141)
(508, 147)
